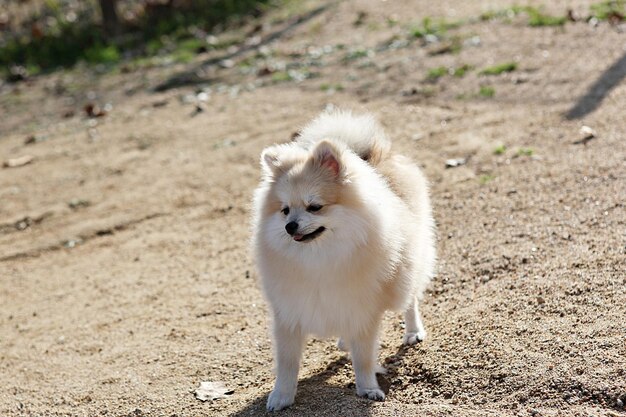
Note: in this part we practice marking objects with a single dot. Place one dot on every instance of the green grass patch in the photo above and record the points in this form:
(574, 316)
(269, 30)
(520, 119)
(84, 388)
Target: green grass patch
(499, 69)
(176, 30)
(500, 149)
(281, 76)
(193, 45)
(455, 45)
(391, 21)
(436, 73)
(485, 178)
(183, 56)
(486, 91)
(606, 9)
(437, 27)
(504, 14)
(355, 54)
(525, 152)
(100, 54)
(331, 87)
(462, 70)
(536, 18)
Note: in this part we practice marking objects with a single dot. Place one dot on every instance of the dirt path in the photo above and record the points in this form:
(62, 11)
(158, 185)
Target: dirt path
(125, 278)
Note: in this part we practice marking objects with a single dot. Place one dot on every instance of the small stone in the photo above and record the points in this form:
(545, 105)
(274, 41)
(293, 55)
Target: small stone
(77, 203)
(71, 243)
(227, 63)
(457, 162)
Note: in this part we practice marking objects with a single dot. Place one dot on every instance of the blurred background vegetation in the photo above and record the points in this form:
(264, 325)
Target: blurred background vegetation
(43, 35)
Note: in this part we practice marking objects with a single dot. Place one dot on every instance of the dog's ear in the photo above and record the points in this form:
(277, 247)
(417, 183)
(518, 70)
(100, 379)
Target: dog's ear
(270, 162)
(328, 157)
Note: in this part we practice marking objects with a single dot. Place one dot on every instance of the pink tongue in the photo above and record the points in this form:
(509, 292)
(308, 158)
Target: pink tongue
(297, 237)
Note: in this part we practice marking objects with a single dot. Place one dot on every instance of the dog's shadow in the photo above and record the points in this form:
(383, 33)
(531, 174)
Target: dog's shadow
(317, 397)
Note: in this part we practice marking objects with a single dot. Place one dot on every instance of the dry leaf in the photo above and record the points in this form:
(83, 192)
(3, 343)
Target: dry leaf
(18, 162)
(209, 390)
(93, 110)
(587, 131)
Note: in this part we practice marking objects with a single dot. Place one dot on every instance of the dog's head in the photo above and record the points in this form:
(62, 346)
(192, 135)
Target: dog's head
(305, 187)
(309, 202)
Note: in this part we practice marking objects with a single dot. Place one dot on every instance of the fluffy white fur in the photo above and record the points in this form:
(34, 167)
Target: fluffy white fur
(377, 250)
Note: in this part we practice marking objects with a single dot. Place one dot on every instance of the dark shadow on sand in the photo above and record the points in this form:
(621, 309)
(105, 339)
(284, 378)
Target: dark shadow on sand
(194, 76)
(317, 397)
(599, 90)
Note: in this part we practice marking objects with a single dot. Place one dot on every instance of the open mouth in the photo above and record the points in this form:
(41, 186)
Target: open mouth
(309, 236)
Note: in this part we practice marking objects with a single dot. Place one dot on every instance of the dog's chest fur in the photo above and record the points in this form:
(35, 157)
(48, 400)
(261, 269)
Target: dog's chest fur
(330, 304)
(342, 300)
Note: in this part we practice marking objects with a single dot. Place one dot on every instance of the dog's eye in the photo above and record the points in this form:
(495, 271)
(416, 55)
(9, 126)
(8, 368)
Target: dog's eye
(285, 211)
(314, 208)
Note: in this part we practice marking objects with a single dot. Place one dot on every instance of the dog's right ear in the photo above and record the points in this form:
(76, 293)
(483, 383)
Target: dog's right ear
(274, 161)
(277, 160)
(270, 163)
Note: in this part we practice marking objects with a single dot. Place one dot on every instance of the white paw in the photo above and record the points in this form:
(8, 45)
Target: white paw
(411, 338)
(374, 394)
(279, 400)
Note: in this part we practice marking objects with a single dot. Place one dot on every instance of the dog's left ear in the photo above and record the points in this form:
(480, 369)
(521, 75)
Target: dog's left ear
(327, 156)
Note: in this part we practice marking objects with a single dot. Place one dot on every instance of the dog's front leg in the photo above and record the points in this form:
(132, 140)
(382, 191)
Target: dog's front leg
(288, 344)
(364, 351)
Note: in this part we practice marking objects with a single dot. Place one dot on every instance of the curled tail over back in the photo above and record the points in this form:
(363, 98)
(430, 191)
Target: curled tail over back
(360, 133)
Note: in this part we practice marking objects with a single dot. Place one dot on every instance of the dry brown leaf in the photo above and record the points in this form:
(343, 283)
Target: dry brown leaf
(93, 110)
(209, 390)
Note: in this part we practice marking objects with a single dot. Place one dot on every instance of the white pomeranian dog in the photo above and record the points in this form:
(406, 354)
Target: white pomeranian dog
(343, 231)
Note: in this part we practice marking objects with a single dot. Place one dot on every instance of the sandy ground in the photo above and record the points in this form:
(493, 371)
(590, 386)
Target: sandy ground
(125, 277)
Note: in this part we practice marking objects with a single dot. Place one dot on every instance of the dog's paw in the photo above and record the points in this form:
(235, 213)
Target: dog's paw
(279, 400)
(411, 338)
(374, 394)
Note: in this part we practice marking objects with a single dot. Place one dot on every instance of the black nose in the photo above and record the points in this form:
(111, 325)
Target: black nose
(291, 227)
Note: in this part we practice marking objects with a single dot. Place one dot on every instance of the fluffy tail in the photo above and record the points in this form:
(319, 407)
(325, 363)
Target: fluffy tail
(361, 133)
